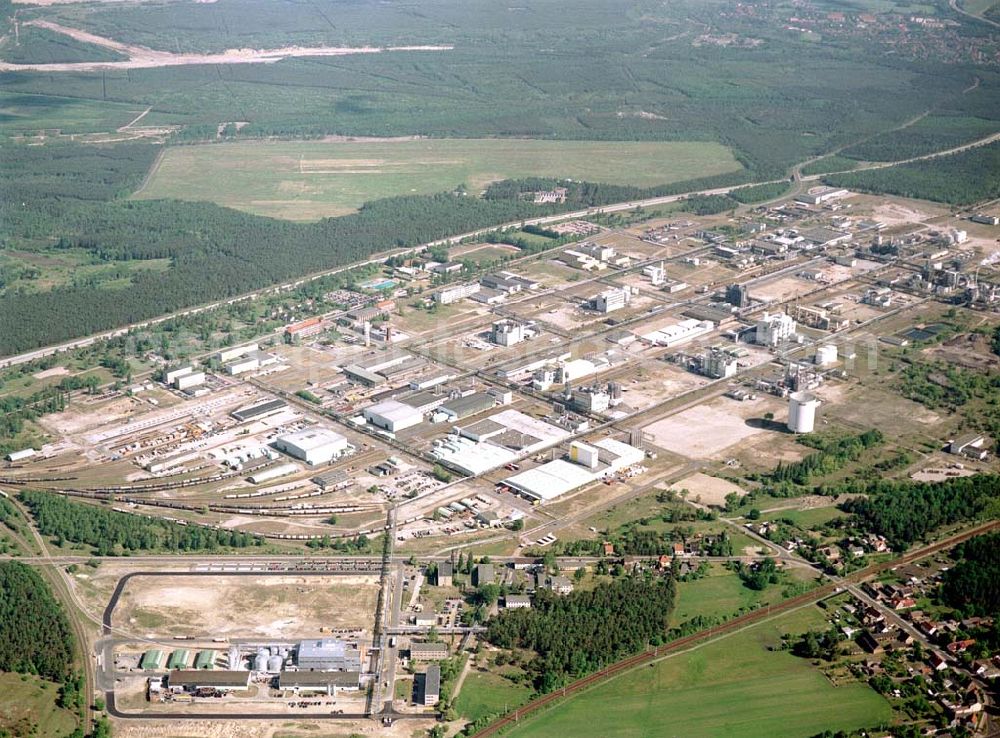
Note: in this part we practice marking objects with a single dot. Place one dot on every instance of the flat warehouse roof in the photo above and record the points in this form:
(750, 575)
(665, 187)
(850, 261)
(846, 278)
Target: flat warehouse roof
(551, 480)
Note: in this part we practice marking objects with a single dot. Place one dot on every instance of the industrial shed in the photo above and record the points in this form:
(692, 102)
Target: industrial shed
(191, 680)
(205, 660)
(151, 660)
(179, 659)
(330, 654)
(313, 445)
(259, 410)
(464, 407)
(393, 416)
(324, 682)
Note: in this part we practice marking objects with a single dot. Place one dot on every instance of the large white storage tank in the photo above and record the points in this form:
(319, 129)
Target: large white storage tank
(802, 412)
(274, 664)
(826, 355)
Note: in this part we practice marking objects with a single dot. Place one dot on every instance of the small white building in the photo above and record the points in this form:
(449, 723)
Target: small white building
(826, 355)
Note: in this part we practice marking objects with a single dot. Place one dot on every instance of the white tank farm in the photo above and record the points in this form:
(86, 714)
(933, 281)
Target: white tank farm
(802, 412)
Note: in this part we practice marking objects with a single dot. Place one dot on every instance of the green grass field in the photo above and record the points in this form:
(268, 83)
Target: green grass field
(807, 518)
(721, 593)
(311, 180)
(28, 700)
(485, 693)
(734, 687)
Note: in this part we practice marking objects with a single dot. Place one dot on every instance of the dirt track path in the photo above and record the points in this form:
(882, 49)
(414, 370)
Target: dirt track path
(142, 57)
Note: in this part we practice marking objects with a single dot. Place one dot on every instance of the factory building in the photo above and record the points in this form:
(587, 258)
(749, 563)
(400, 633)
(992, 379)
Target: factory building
(588, 463)
(193, 680)
(458, 292)
(802, 412)
(495, 441)
(590, 399)
(970, 445)
(467, 406)
(826, 355)
(319, 682)
(432, 686)
(774, 328)
(657, 274)
(393, 415)
(719, 362)
(228, 354)
(509, 332)
(189, 380)
(611, 300)
(738, 295)
(313, 445)
(260, 410)
(819, 195)
(171, 375)
(304, 329)
(436, 651)
(329, 654)
(679, 333)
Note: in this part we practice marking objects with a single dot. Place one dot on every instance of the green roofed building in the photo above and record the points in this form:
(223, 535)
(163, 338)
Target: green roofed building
(151, 660)
(204, 660)
(178, 659)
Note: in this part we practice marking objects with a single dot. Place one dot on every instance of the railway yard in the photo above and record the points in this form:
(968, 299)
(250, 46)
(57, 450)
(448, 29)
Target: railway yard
(351, 463)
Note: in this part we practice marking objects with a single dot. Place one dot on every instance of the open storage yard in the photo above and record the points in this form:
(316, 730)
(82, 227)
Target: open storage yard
(264, 606)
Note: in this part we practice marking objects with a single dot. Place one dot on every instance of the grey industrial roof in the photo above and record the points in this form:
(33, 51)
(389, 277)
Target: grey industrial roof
(247, 413)
(432, 680)
(319, 678)
(205, 678)
(463, 407)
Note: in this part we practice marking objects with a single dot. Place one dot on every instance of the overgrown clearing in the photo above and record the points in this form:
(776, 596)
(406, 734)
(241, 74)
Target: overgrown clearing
(488, 693)
(731, 687)
(26, 700)
(310, 180)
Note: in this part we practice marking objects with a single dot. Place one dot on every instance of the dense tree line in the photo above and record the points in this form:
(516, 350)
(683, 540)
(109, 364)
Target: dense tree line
(577, 634)
(112, 533)
(759, 193)
(973, 584)
(906, 511)
(958, 179)
(35, 637)
(832, 454)
(935, 133)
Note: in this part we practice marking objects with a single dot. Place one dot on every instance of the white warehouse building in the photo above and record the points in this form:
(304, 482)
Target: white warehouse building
(393, 415)
(313, 445)
(588, 463)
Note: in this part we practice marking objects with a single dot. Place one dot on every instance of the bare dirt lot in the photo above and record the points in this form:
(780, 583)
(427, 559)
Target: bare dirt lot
(270, 606)
(706, 431)
(707, 490)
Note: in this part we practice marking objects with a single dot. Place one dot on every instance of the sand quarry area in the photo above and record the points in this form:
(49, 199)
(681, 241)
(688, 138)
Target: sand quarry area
(272, 606)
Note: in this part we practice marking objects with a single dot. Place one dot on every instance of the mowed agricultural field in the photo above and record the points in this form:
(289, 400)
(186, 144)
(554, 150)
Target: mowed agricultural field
(731, 688)
(317, 179)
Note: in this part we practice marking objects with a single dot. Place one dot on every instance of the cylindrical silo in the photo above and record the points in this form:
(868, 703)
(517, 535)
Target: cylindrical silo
(802, 412)
(274, 664)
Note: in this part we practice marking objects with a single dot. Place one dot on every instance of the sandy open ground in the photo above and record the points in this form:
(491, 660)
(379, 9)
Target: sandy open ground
(707, 490)
(278, 607)
(141, 57)
(705, 431)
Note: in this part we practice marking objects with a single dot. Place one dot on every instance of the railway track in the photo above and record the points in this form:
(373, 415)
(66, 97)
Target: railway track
(736, 623)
